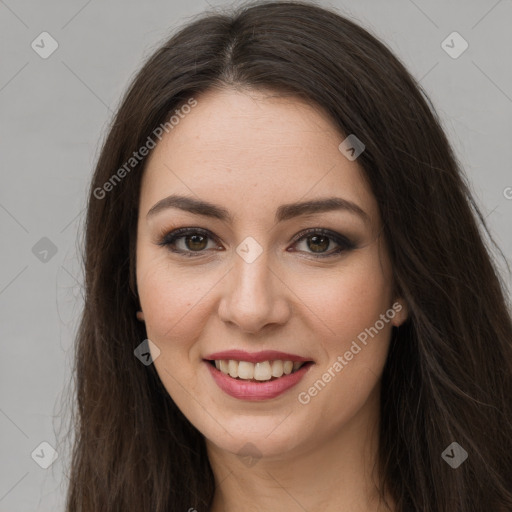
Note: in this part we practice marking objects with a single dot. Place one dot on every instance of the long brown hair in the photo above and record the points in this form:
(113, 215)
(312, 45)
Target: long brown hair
(448, 377)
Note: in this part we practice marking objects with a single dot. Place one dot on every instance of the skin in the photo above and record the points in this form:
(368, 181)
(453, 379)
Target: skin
(250, 152)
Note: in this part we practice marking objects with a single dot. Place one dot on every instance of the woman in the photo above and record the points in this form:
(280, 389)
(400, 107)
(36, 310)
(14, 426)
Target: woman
(289, 304)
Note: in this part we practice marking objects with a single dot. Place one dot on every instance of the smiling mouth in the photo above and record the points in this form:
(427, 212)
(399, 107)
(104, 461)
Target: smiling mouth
(264, 371)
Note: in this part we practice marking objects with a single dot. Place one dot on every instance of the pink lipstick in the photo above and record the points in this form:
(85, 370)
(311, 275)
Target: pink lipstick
(255, 357)
(254, 390)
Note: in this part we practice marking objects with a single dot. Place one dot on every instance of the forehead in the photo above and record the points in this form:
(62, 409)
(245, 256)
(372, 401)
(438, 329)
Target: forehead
(251, 152)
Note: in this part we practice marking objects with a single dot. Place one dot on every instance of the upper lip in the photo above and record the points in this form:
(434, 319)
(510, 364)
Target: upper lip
(255, 357)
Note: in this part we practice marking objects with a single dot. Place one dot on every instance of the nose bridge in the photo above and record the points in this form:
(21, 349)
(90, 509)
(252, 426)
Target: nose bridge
(251, 300)
(252, 277)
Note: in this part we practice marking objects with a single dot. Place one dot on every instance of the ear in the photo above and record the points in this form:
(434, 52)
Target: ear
(140, 316)
(401, 310)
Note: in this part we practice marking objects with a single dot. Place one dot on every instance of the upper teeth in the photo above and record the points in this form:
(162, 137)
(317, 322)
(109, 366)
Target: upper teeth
(264, 370)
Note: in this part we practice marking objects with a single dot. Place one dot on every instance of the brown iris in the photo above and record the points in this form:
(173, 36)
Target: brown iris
(321, 240)
(195, 242)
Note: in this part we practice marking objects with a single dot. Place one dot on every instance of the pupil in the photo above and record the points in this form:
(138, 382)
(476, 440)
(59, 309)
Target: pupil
(323, 245)
(193, 241)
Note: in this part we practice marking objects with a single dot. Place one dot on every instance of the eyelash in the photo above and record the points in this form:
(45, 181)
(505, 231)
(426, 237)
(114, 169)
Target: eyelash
(170, 239)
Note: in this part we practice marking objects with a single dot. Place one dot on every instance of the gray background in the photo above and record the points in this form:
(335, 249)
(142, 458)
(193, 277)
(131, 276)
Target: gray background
(55, 111)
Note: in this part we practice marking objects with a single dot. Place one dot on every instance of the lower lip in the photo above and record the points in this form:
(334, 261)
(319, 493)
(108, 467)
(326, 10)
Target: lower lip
(257, 391)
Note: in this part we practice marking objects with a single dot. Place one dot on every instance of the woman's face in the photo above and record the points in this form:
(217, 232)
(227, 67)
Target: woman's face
(249, 277)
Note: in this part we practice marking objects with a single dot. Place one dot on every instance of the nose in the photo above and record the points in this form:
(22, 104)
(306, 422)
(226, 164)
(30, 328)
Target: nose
(254, 296)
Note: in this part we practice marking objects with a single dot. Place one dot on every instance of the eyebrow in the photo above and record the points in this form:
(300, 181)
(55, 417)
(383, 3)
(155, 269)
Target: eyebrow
(284, 212)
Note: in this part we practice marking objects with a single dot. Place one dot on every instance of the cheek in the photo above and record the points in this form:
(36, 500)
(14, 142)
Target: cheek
(173, 304)
(348, 305)
(349, 299)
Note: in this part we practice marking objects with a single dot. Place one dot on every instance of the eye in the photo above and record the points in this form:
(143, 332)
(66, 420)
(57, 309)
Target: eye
(318, 240)
(193, 242)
